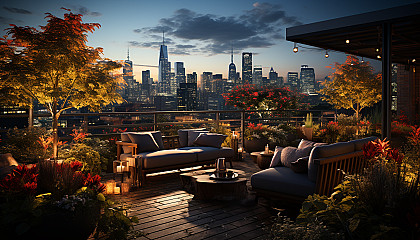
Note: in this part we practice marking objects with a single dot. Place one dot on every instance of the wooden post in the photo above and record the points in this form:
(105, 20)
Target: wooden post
(154, 121)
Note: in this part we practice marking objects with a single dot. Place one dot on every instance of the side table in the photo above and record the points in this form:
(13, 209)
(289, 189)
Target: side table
(264, 159)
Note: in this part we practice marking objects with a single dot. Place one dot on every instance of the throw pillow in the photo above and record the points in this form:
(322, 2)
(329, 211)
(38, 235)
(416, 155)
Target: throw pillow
(193, 135)
(210, 140)
(275, 161)
(300, 165)
(183, 136)
(145, 142)
(306, 143)
(157, 135)
(291, 154)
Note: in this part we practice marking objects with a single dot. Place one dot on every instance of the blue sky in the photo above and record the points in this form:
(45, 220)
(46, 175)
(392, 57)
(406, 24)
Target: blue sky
(199, 33)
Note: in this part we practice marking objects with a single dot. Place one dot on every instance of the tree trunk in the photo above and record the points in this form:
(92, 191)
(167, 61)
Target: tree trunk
(31, 114)
(55, 116)
(357, 118)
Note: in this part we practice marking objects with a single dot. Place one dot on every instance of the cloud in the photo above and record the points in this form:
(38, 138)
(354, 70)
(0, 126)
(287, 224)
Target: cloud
(5, 20)
(17, 10)
(184, 46)
(85, 11)
(259, 27)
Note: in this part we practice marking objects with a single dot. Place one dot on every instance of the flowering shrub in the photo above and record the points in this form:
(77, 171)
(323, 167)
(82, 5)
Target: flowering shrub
(252, 97)
(346, 128)
(380, 203)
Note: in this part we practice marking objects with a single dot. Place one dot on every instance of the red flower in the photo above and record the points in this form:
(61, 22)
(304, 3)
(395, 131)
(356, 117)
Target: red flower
(369, 150)
(395, 155)
(76, 165)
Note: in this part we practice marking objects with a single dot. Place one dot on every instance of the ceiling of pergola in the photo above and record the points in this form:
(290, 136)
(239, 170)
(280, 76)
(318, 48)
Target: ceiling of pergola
(364, 32)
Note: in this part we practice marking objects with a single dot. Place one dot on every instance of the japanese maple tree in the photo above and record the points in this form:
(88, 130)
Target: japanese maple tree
(55, 67)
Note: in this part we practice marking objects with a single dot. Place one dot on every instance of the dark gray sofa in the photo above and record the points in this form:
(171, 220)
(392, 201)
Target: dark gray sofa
(175, 153)
(325, 167)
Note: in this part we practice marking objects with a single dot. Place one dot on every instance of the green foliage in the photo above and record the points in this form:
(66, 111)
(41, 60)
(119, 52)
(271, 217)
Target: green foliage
(87, 155)
(24, 144)
(274, 134)
(114, 223)
(308, 120)
(285, 229)
(106, 149)
(353, 86)
(221, 129)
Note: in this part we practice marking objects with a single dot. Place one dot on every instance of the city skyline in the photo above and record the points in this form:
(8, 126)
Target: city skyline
(199, 34)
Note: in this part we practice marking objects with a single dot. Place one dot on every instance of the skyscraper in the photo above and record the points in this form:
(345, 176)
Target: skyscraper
(187, 96)
(192, 78)
(307, 79)
(273, 76)
(179, 72)
(232, 71)
(132, 91)
(164, 77)
(293, 80)
(257, 76)
(246, 68)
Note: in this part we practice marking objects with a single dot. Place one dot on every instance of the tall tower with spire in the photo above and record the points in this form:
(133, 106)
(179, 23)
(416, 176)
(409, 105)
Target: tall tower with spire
(131, 92)
(164, 77)
(232, 70)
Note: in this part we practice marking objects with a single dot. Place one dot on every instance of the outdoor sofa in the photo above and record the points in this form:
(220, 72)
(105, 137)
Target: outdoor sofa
(156, 153)
(324, 170)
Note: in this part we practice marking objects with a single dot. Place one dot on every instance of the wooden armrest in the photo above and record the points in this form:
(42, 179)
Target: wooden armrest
(323, 161)
(126, 144)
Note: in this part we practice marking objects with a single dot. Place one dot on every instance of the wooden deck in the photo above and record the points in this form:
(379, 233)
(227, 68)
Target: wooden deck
(166, 211)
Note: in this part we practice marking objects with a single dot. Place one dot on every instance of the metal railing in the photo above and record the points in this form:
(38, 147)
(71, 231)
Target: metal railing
(100, 124)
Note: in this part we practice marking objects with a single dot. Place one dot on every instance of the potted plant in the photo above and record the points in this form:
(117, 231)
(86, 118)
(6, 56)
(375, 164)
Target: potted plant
(307, 129)
(257, 136)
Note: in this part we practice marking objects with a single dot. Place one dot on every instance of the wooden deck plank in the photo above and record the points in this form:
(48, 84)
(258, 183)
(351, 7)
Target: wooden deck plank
(166, 211)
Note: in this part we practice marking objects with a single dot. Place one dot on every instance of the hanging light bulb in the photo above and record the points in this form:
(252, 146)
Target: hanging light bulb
(414, 60)
(295, 49)
(377, 50)
(326, 54)
(347, 41)
(363, 60)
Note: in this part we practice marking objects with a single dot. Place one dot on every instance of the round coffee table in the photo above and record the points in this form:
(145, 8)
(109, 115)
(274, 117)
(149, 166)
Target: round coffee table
(204, 188)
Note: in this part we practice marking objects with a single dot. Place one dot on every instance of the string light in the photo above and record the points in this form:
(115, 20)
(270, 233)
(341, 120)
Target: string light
(326, 54)
(295, 49)
(414, 60)
(347, 41)
(363, 60)
(378, 56)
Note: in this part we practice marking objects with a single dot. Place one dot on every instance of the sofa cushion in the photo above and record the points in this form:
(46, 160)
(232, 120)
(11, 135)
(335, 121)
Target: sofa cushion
(358, 144)
(300, 165)
(306, 143)
(291, 154)
(324, 152)
(210, 153)
(144, 140)
(157, 136)
(125, 138)
(283, 180)
(210, 140)
(183, 136)
(275, 161)
(165, 158)
(193, 135)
